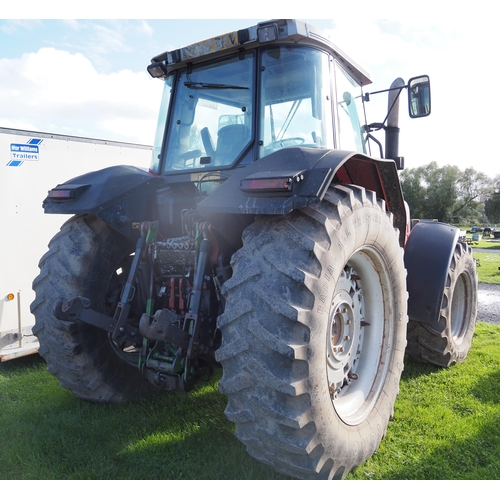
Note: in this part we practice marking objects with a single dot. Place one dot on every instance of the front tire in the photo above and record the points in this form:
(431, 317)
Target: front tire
(448, 340)
(83, 259)
(314, 333)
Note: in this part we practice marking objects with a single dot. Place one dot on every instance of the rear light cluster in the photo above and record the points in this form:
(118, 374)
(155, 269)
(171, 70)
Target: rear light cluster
(271, 182)
(66, 192)
(62, 194)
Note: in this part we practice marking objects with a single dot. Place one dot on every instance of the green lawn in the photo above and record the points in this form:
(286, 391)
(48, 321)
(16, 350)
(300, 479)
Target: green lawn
(486, 244)
(488, 262)
(488, 267)
(446, 426)
(447, 421)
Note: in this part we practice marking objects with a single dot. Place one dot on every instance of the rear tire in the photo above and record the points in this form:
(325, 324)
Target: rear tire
(82, 260)
(314, 333)
(448, 341)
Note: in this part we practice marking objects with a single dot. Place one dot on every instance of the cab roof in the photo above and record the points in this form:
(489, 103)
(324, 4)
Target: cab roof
(264, 33)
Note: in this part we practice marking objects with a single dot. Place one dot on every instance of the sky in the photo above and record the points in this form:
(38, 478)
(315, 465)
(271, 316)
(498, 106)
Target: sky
(82, 71)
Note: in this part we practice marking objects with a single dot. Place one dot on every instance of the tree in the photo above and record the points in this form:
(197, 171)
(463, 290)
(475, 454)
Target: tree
(441, 191)
(430, 191)
(492, 203)
(446, 193)
(473, 188)
(412, 182)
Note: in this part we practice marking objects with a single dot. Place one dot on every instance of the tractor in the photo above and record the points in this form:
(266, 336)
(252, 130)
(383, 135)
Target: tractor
(266, 241)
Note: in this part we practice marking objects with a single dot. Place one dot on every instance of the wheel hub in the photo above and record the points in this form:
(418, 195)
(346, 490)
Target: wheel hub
(345, 333)
(357, 349)
(342, 329)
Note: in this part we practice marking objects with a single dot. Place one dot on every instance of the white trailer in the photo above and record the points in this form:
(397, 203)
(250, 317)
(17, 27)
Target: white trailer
(31, 164)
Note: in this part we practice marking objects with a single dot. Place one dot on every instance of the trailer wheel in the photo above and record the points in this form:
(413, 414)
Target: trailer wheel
(314, 333)
(84, 258)
(448, 341)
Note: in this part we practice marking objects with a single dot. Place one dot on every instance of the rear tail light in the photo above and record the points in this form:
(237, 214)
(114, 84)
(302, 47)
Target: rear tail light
(271, 182)
(274, 185)
(66, 192)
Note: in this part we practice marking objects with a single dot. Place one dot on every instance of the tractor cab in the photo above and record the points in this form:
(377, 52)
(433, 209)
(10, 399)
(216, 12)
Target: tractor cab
(232, 100)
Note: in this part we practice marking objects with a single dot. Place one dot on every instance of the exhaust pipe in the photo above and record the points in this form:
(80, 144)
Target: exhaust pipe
(392, 128)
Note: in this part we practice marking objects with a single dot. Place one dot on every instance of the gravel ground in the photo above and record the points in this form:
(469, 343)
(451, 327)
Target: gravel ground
(488, 303)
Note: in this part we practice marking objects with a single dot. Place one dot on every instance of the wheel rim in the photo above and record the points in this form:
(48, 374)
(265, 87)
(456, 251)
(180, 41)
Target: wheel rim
(359, 336)
(461, 308)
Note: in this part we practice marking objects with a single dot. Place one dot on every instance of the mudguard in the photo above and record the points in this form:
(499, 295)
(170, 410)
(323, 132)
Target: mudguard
(427, 258)
(118, 195)
(310, 172)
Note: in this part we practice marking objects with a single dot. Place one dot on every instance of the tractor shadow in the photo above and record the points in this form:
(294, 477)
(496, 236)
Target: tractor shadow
(50, 434)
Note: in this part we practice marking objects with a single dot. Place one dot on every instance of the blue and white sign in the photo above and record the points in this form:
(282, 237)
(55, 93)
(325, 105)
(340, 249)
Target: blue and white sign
(24, 152)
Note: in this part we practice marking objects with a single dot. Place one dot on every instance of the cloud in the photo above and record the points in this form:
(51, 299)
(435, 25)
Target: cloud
(55, 91)
(97, 40)
(10, 26)
(145, 28)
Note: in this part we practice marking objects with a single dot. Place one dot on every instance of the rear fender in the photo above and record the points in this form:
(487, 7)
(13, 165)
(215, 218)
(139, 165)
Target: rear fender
(310, 172)
(428, 255)
(118, 195)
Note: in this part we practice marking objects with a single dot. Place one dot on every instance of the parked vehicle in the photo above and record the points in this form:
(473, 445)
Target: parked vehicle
(32, 163)
(266, 239)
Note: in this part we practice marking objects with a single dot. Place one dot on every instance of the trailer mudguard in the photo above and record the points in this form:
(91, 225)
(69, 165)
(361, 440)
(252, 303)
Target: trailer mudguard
(118, 195)
(305, 175)
(427, 258)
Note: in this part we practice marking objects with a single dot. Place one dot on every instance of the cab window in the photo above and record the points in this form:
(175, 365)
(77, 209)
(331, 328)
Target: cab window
(295, 107)
(349, 111)
(211, 123)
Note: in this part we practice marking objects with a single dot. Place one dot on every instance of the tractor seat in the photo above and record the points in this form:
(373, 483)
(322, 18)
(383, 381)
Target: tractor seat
(231, 140)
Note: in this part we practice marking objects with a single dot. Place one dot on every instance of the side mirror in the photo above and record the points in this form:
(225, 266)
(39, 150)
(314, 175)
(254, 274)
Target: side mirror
(419, 96)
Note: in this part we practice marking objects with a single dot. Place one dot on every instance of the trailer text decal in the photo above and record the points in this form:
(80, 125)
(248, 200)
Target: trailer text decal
(24, 152)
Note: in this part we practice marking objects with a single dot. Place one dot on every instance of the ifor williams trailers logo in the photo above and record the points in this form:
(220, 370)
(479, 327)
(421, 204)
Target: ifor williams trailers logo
(20, 153)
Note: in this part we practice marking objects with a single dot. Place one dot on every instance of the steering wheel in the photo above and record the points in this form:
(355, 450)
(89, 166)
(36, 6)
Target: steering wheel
(284, 143)
(290, 141)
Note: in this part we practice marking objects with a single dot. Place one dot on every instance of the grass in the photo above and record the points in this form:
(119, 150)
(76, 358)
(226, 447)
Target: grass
(488, 267)
(489, 243)
(486, 244)
(47, 433)
(447, 421)
(446, 426)
(488, 263)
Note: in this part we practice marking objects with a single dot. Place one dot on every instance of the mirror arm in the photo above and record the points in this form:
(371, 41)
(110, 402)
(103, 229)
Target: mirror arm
(373, 127)
(378, 126)
(366, 97)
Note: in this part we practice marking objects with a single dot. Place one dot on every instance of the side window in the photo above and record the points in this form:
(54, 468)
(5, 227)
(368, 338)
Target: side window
(349, 112)
(161, 123)
(296, 108)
